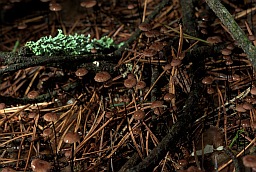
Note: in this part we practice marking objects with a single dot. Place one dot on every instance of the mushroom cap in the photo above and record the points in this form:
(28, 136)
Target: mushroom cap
(247, 106)
(229, 62)
(140, 85)
(81, 72)
(149, 52)
(245, 123)
(50, 117)
(145, 27)
(47, 132)
(139, 115)
(239, 108)
(88, 3)
(152, 33)
(249, 161)
(208, 80)
(32, 94)
(230, 46)
(183, 163)
(68, 154)
(130, 82)
(168, 97)
(8, 169)
(2, 105)
(102, 76)
(158, 46)
(210, 90)
(214, 39)
(253, 91)
(226, 52)
(39, 165)
(156, 104)
(71, 137)
(55, 7)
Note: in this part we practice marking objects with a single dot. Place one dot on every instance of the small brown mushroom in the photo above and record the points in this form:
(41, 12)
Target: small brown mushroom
(47, 132)
(55, 7)
(50, 117)
(39, 165)
(139, 115)
(88, 3)
(140, 85)
(145, 27)
(239, 108)
(247, 106)
(157, 104)
(130, 82)
(168, 97)
(158, 46)
(226, 52)
(149, 52)
(71, 137)
(249, 161)
(102, 76)
(8, 169)
(208, 80)
(253, 91)
(81, 72)
(32, 94)
(152, 33)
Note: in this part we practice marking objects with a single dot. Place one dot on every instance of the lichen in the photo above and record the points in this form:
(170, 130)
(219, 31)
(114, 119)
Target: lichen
(76, 44)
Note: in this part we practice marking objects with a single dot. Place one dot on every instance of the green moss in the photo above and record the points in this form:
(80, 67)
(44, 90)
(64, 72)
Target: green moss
(76, 44)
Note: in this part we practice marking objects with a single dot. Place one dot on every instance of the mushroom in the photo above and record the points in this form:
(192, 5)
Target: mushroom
(250, 161)
(168, 97)
(253, 91)
(130, 82)
(157, 104)
(50, 117)
(71, 138)
(247, 106)
(149, 52)
(239, 108)
(88, 3)
(32, 94)
(140, 85)
(81, 72)
(139, 115)
(158, 46)
(152, 33)
(102, 76)
(7, 169)
(226, 52)
(47, 132)
(54, 6)
(208, 80)
(145, 27)
(39, 165)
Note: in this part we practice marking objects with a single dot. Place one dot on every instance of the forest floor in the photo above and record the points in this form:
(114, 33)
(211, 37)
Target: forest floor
(179, 92)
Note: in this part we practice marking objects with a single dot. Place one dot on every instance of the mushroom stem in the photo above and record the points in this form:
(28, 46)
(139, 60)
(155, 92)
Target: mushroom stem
(72, 158)
(56, 151)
